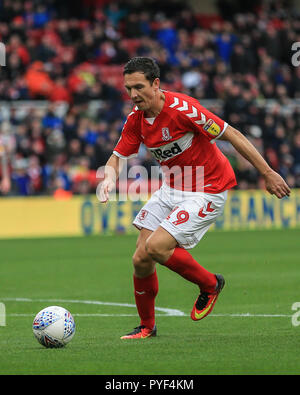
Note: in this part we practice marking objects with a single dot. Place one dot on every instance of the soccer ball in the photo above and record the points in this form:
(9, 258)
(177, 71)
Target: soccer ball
(53, 327)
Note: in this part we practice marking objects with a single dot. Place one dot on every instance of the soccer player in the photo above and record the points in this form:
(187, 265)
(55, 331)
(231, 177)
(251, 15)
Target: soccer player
(180, 134)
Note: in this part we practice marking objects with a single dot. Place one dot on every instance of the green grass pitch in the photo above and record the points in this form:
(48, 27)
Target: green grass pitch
(249, 332)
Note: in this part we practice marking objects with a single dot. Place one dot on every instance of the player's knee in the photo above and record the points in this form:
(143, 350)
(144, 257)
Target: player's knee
(153, 250)
(142, 263)
(141, 260)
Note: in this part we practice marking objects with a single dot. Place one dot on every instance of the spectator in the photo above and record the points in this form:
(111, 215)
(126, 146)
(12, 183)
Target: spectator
(75, 56)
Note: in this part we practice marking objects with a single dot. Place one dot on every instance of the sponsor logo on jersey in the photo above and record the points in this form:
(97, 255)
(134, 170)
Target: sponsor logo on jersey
(212, 128)
(163, 154)
(168, 151)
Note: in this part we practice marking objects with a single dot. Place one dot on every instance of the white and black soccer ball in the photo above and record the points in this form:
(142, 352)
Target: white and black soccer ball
(54, 327)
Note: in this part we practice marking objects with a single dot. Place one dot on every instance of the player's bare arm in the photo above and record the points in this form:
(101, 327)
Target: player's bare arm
(112, 170)
(275, 184)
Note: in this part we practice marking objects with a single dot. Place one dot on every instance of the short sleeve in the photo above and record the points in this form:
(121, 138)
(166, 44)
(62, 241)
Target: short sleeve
(130, 140)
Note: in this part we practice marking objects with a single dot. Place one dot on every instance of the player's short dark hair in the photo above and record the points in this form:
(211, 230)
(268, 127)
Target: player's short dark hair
(144, 65)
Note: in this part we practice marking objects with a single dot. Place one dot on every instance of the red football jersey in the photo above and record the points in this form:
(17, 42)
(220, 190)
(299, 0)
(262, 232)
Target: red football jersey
(181, 139)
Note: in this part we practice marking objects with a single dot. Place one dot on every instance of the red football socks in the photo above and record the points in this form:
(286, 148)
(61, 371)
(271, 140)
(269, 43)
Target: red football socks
(182, 262)
(145, 291)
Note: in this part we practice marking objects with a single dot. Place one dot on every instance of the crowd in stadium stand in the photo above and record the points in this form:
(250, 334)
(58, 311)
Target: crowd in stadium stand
(239, 62)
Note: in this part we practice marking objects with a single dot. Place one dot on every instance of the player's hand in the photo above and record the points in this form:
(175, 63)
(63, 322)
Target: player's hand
(276, 185)
(106, 186)
(5, 185)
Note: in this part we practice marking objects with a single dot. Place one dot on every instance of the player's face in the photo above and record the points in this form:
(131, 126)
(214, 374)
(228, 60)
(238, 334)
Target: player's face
(141, 92)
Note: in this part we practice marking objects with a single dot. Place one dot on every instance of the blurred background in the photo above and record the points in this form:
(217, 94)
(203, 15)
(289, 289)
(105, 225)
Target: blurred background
(62, 101)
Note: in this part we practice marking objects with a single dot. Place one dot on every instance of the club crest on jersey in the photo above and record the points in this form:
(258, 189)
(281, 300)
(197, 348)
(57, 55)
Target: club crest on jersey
(166, 134)
(143, 214)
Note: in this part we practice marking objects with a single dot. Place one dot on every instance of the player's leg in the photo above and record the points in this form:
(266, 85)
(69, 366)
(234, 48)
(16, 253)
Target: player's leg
(145, 288)
(145, 281)
(143, 264)
(145, 278)
(163, 248)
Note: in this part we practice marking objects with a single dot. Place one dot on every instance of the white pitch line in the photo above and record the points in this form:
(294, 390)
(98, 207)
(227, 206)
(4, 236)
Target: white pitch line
(253, 315)
(92, 315)
(167, 312)
(243, 315)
